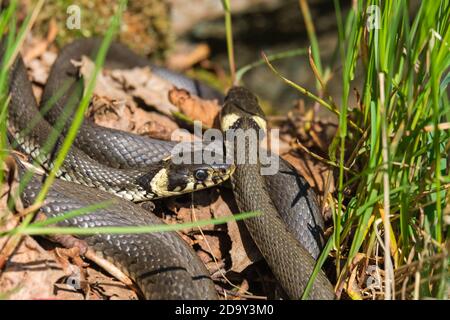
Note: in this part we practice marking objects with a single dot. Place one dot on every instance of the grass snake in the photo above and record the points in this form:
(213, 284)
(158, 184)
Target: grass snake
(290, 226)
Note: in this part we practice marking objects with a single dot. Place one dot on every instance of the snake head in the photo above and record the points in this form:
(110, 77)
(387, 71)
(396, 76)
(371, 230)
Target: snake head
(174, 179)
(241, 110)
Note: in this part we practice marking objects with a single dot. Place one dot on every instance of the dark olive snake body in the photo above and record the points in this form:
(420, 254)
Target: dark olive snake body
(289, 260)
(162, 264)
(296, 209)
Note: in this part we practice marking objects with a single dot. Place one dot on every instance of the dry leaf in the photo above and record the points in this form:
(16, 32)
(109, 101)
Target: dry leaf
(111, 114)
(195, 108)
(144, 85)
(210, 243)
(105, 87)
(186, 55)
(153, 124)
(30, 274)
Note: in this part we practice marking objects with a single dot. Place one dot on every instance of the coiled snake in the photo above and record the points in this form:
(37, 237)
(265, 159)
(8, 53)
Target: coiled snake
(288, 232)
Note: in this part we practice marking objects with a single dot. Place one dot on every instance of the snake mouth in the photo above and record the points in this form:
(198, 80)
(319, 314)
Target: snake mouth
(223, 175)
(181, 179)
(218, 174)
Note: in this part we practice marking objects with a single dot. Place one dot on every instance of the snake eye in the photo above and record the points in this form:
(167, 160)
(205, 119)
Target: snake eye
(201, 175)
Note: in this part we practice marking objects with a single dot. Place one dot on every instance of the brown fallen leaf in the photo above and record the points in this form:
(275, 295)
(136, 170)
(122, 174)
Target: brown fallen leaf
(214, 204)
(113, 104)
(38, 63)
(146, 86)
(104, 86)
(38, 71)
(111, 113)
(107, 288)
(195, 108)
(210, 243)
(199, 209)
(186, 55)
(37, 47)
(30, 274)
(153, 124)
(205, 257)
(35, 273)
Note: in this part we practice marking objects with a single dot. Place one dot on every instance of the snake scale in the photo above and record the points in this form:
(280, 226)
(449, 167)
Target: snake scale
(288, 233)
